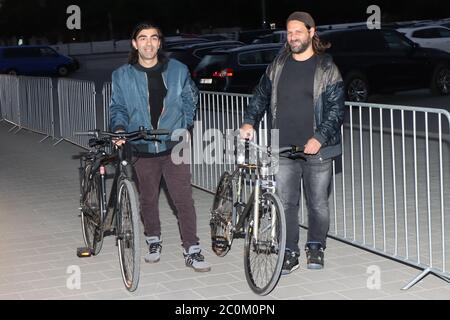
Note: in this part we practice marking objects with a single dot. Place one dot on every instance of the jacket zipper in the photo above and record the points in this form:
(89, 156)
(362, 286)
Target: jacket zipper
(162, 111)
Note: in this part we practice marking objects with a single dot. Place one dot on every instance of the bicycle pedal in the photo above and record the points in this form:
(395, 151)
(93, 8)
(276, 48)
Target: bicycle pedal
(84, 252)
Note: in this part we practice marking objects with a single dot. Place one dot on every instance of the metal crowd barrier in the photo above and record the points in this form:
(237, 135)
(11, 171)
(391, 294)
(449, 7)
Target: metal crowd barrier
(77, 109)
(106, 94)
(27, 102)
(36, 105)
(9, 99)
(218, 119)
(390, 196)
(388, 188)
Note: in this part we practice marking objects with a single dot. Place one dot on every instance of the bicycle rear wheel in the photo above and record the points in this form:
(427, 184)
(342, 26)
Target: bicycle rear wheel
(129, 233)
(263, 259)
(221, 217)
(91, 210)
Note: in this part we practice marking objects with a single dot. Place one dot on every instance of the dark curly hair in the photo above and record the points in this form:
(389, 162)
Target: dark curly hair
(133, 56)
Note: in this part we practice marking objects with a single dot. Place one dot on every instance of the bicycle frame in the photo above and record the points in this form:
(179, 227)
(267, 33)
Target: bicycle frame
(239, 218)
(108, 206)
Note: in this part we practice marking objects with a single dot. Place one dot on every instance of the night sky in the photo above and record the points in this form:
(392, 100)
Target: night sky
(102, 18)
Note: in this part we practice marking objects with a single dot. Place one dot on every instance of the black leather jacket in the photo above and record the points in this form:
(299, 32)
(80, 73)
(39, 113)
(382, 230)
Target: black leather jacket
(328, 102)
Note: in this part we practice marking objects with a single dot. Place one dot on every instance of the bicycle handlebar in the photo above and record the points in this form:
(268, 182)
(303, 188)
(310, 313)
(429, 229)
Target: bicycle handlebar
(291, 149)
(142, 133)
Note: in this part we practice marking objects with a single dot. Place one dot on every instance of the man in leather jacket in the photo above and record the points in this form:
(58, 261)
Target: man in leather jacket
(303, 94)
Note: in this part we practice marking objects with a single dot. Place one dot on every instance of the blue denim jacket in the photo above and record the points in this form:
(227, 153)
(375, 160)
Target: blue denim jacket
(130, 109)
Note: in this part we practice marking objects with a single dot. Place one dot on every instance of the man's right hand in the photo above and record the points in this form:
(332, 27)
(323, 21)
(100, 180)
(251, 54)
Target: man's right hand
(246, 131)
(118, 142)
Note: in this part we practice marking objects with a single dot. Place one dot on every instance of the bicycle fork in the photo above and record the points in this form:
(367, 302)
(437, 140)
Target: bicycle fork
(256, 210)
(256, 213)
(103, 206)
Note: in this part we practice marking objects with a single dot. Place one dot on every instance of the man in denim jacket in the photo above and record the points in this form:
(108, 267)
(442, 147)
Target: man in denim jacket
(303, 94)
(158, 93)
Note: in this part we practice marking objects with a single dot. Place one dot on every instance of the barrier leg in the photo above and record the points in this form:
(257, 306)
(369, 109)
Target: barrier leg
(422, 275)
(45, 138)
(58, 142)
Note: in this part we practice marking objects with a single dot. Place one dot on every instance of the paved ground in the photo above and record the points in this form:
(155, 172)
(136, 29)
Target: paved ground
(40, 231)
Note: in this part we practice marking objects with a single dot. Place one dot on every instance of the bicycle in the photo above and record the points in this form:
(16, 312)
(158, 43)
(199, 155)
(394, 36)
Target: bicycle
(261, 221)
(120, 215)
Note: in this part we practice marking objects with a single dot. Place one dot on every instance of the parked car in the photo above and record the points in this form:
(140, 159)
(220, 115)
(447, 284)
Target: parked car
(172, 42)
(216, 37)
(384, 60)
(279, 36)
(35, 60)
(234, 70)
(427, 23)
(248, 36)
(437, 37)
(192, 54)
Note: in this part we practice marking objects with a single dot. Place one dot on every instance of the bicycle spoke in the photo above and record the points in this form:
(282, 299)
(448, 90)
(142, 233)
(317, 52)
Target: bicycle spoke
(125, 234)
(129, 250)
(221, 216)
(91, 214)
(264, 257)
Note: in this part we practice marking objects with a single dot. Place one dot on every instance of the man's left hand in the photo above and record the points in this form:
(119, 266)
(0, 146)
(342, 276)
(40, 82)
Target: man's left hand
(312, 146)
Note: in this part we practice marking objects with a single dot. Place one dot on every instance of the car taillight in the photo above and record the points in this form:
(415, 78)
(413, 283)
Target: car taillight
(223, 73)
(194, 74)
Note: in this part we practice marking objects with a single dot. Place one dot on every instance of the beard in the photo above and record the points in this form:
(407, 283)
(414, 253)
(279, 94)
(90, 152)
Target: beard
(300, 47)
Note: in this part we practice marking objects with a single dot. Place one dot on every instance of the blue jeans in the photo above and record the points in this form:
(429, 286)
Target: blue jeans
(316, 174)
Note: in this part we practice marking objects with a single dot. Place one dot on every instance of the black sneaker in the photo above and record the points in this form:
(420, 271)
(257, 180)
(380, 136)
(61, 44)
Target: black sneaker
(290, 262)
(314, 256)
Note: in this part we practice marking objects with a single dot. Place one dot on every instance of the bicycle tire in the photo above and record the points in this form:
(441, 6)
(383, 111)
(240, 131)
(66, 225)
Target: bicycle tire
(268, 247)
(221, 216)
(129, 233)
(91, 212)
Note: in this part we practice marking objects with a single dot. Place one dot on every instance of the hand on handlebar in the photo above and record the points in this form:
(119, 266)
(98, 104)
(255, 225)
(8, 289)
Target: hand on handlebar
(117, 141)
(246, 131)
(312, 146)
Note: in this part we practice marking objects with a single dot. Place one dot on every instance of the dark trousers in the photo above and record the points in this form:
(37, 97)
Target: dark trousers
(178, 180)
(316, 175)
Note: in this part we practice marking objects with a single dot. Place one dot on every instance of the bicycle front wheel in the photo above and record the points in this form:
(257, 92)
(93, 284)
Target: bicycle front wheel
(221, 217)
(91, 210)
(128, 233)
(264, 249)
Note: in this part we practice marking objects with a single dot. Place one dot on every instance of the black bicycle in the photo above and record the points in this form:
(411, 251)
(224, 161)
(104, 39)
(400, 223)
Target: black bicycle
(120, 215)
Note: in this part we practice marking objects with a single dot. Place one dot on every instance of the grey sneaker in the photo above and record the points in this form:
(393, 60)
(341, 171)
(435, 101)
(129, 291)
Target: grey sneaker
(154, 249)
(194, 259)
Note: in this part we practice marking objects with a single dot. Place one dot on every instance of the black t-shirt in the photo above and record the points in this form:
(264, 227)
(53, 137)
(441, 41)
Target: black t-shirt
(295, 113)
(156, 91)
